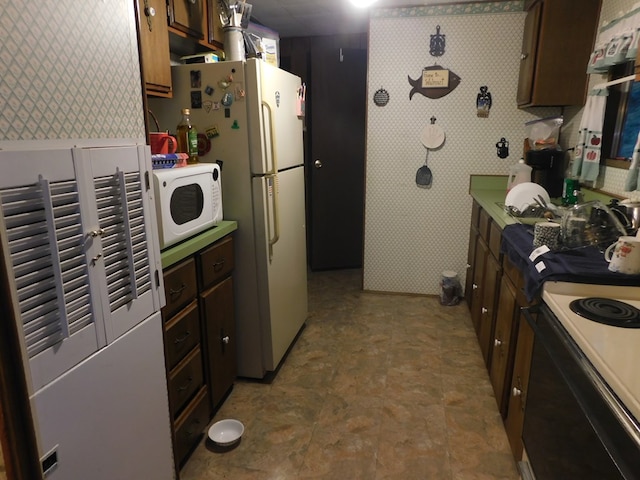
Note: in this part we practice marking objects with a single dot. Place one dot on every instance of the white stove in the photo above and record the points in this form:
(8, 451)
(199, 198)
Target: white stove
(613, 351)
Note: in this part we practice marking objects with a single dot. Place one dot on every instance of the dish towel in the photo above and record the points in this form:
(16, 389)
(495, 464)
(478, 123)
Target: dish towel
(633, 179)
(586, 157)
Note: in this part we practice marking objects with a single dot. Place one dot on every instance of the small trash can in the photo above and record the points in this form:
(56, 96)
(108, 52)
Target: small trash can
(451, 290)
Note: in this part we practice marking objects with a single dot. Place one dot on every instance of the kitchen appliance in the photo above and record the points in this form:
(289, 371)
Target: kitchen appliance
(583, 398)
(547, 169)
(246, 113)
(188, 201)
(77, 226)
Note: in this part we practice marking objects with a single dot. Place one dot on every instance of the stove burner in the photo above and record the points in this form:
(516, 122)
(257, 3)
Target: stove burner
(607, 311)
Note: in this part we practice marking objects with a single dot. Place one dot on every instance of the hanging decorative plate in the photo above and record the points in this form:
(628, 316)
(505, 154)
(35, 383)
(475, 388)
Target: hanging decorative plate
(381, 97)
(435, 82)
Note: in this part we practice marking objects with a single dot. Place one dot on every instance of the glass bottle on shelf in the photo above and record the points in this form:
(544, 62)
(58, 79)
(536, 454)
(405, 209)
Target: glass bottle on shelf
(187, 136)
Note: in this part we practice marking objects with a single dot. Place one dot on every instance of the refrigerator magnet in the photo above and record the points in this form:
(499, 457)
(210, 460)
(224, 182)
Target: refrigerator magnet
(208, 105)
(235, 125)
(209, 90)
(227, 99)
(196, 99)
(195, 77)
(239, 92)
(212, 132)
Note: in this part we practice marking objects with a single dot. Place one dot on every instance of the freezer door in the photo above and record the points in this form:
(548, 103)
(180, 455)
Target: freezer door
(282, 260)
(276, 139)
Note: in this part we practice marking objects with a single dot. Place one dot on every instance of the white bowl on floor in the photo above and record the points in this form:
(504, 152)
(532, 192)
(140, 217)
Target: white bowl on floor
(226, 432)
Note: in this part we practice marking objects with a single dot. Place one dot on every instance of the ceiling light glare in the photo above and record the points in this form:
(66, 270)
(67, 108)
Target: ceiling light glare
(363, 3)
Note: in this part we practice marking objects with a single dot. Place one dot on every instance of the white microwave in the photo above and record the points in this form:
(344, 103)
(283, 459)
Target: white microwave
(188, 201)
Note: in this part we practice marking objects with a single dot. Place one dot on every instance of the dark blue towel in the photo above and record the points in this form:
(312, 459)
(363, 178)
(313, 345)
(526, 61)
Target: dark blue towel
(581, 265)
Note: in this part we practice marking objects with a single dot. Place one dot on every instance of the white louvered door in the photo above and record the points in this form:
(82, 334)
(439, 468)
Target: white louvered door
(79, 230)
(116, 188)
(45, 234)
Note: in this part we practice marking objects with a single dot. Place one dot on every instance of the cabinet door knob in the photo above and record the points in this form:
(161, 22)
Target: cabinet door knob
(484, 310)
(98, 232)
(516, 392)
(497, 343)
(317, 164)
(468, 266)
(225, 339)
(524, 56)
(474, 286)
(217, 266)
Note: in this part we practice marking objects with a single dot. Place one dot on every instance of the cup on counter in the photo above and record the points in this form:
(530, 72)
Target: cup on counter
(162, 142)
(546, 233)
(624, 255)
(574, 232)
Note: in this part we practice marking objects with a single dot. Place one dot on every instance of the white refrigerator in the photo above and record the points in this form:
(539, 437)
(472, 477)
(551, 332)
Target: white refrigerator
(246, 116)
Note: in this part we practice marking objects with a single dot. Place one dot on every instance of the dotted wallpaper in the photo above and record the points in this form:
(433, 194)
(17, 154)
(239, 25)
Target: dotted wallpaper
(413, 234)
(70, 70)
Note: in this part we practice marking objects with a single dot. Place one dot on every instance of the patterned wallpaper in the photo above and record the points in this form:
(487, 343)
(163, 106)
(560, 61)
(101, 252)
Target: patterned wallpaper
(414, 234)
(69, 70)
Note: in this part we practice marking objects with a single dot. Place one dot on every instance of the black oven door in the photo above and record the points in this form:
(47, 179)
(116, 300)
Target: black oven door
(574, 426)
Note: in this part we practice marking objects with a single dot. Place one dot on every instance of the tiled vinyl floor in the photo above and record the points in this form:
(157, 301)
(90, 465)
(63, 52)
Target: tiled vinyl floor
(376, 387)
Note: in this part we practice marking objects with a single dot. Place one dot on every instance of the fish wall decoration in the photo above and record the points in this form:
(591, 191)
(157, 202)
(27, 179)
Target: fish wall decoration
(435, 82)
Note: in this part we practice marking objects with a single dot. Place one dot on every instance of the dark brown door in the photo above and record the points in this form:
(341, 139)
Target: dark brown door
(336, 166)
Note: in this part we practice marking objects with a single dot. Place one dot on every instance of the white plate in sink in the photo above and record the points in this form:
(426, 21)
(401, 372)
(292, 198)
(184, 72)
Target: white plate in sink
(524, 195)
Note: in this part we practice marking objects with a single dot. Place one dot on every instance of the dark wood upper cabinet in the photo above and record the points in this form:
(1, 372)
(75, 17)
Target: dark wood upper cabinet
(187, 16)
(557, 42)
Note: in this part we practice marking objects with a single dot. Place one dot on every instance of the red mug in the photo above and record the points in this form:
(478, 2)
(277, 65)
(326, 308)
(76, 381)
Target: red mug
(162, 142)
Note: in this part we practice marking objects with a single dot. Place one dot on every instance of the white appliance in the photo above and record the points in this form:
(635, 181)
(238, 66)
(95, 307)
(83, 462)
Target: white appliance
(245, 113)
(77, 226)
(188, 201)
(613, 351)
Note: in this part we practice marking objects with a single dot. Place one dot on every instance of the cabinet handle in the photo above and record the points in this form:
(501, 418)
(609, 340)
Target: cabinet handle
(97, 233)
(173, 292)
(149, 12)
(194, 428)
(484, 310)
(96, 258)
(497, 343)
(516, 392)
(225, 339)
(474, 286)
(186, 385)
(182, 338)
(218, 265)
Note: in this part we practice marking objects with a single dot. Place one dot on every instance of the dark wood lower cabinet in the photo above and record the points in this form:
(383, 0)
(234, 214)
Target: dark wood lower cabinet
(494, 292)
(518, 388)
(200, 341)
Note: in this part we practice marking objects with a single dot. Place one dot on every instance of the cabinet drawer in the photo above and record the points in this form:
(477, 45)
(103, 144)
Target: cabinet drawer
(185, 380)
(190, 426)
(483, 225)
(179, 286)
(495, 238)
(182, 334)
(475, 215)
(216, 262)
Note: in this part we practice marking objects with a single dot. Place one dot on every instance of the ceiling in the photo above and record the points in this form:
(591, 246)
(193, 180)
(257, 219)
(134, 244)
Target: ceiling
(303, 18)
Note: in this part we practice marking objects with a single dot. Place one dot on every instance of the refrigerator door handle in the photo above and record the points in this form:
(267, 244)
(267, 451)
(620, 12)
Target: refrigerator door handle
(273, 206)
(268, 121)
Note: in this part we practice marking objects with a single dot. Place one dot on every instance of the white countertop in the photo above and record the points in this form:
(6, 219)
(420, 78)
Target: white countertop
(613, 351)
